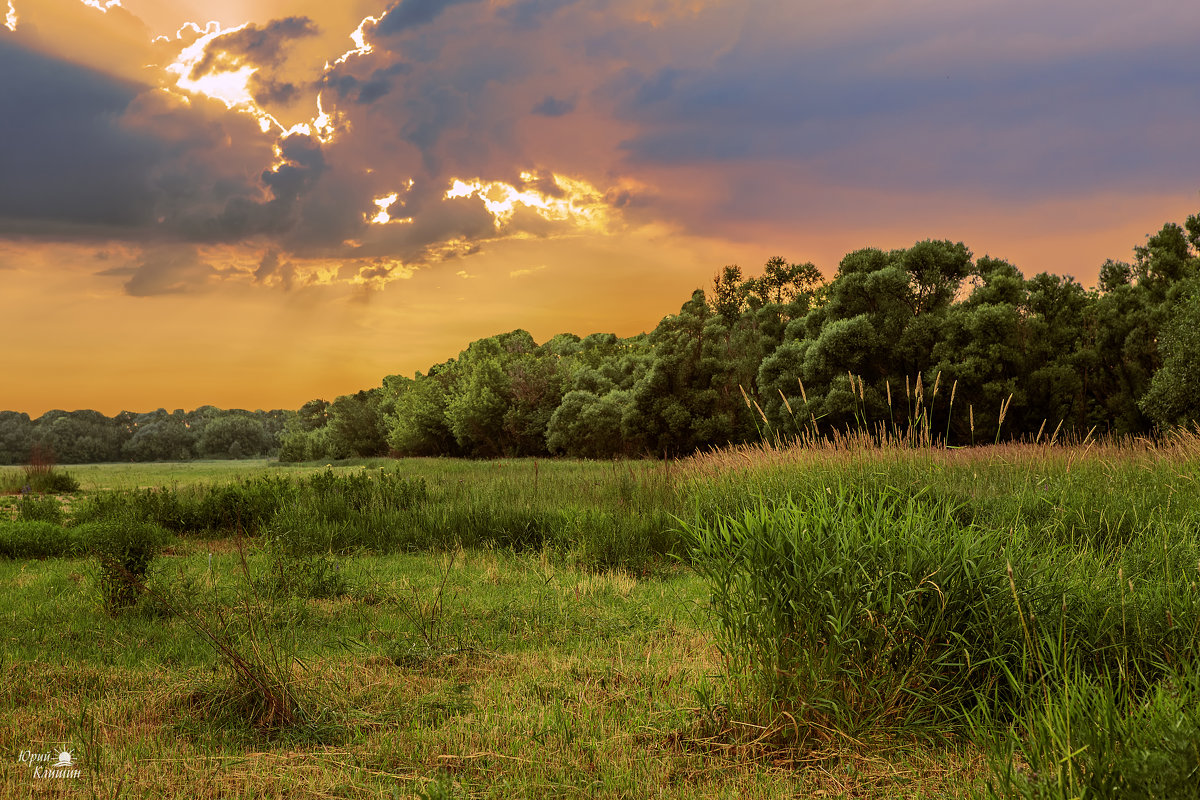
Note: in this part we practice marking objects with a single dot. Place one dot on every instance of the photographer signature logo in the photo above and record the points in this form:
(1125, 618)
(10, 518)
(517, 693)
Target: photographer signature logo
(51, 766)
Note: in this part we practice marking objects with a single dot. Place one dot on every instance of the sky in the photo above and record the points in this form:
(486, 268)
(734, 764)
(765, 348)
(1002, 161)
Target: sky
(253, 203)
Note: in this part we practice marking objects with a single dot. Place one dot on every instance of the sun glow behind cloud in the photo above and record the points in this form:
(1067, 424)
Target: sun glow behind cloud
(577, 202)
(384, 204)
(362, 46)
(232, 86)
(102, 7)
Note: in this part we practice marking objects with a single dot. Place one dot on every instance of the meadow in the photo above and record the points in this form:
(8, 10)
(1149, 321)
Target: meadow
(766, 621)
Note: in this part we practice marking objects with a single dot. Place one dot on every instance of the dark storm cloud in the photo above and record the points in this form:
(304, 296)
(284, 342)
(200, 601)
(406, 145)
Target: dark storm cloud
(89, 156)
(66, 160)
(263, 46)
(245, 216)
(366, 90)
(719, 114)
(270, 91)
(407, 14)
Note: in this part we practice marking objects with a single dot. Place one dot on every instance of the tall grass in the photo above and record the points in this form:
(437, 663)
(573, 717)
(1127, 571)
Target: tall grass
(1017, 594)
(854, 610)
(1092, 737)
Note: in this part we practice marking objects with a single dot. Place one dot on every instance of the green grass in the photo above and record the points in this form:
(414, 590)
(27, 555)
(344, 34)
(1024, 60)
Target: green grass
(528, 678)
(754, 623)
(601, 515)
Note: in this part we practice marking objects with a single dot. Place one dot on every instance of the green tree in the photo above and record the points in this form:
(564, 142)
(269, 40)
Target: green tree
(1173, 398)
(81, 437)
(418, 425)
(356, 425)
(982, 353)
(16, 437)
(299, 442)
(221, 432)
(586, 425)
(1056, 313)
(160, 437)
(882, 315)
(312, 415)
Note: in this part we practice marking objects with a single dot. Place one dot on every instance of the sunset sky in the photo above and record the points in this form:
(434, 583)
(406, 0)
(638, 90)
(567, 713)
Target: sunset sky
(252, 203)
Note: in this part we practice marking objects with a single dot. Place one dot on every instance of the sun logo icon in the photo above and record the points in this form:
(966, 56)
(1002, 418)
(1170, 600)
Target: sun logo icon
(64, 760)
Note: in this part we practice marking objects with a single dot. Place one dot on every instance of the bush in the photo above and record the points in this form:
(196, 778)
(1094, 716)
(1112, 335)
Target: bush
(125, 547)
(31, 539)
(39, 478)
(247, 505)
(46, 479)
(339, 496)
(853, 609)
(40, 509)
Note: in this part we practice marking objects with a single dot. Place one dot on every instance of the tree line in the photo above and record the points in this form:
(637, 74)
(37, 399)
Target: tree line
(926, 335)
(922, 336)
(84, 437)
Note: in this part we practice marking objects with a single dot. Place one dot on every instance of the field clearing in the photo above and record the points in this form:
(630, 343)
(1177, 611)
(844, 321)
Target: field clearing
(534, 680)
(135, 475)
(564, 651)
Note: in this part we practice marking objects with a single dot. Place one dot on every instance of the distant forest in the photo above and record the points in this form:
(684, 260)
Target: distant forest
(927, 335)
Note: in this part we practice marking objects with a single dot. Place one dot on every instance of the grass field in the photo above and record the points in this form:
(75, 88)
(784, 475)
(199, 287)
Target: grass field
(520, 629)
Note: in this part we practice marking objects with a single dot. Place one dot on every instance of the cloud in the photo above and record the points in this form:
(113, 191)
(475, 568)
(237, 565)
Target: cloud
(377, 84)
(803, 112)
(88, 155)
(408, 14)
(272, 269)
(165, 270)
(269, 91)
(532, 14)
(702, 118)
(66, 160)
(551, 106)
(264, 47)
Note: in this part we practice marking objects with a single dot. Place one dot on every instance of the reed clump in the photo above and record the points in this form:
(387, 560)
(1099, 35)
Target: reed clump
(1012, 594)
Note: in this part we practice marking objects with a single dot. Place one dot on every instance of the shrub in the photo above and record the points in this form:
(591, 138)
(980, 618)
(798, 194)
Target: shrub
(39, 478)
(247, 505)
(40, 509)
(125, 547)
(32, 539)
(339, 496)
(161, 506)
(853, 608)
